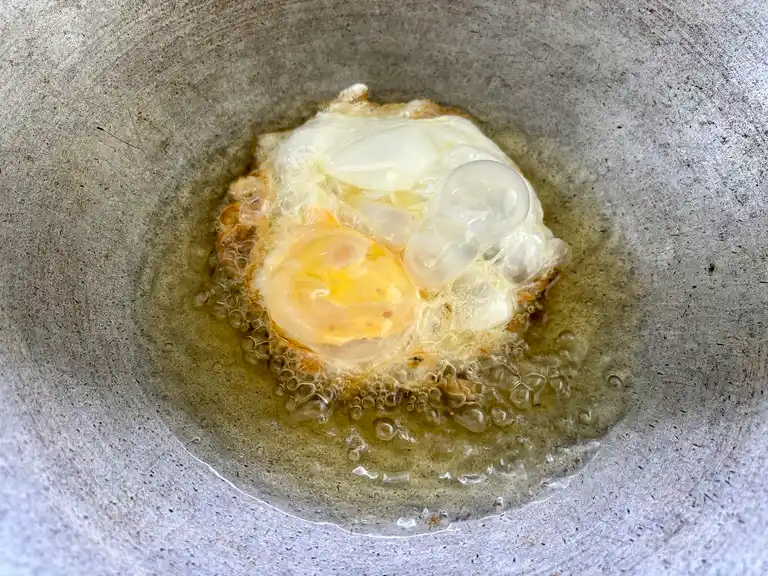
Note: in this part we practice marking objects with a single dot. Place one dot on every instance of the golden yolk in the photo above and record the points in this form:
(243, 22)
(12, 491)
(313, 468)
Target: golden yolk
(333, 285)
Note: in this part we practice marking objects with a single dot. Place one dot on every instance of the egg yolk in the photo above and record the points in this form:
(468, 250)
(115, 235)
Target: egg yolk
(334, 286)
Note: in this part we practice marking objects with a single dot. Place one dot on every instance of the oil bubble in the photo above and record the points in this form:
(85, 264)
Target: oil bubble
(564, 389)
(472, 418)
(390, 400)
(433, 416)
(236, 320)
(470, 479)
(520, 397)
(355, 412)
(305, 389)
(200, 300)
(455, 399)
(535, 381)
(500, 417)
(219, 311)
(565, 338)
(384, 428)
(292, 384)
(361, 471)
(396, 478)
(314, 408)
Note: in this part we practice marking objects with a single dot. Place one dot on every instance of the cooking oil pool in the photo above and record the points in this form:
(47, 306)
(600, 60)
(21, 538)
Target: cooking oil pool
(390, 461)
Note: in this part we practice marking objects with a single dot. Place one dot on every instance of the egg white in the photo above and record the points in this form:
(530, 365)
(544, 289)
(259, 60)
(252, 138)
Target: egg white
(383, 171)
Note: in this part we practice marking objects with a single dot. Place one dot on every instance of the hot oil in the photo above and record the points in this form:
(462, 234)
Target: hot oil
(387, 461)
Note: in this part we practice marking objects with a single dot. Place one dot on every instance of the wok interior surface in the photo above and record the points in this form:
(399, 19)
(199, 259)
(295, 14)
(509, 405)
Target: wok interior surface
(117, 117)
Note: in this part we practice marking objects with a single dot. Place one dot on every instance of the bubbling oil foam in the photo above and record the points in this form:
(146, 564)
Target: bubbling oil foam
(473, 394)
(387, 458)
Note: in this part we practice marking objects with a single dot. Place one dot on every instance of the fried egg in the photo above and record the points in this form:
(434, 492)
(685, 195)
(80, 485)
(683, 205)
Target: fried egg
(373, 234)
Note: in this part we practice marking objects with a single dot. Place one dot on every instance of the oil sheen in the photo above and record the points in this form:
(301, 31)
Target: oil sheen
(473, 439)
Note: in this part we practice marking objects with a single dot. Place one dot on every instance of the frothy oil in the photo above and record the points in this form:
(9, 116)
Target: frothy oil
(478, 439)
